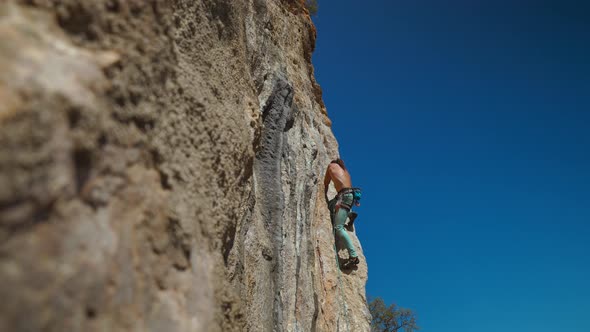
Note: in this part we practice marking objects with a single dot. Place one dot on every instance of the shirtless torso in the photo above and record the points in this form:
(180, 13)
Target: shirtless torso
(340, 176)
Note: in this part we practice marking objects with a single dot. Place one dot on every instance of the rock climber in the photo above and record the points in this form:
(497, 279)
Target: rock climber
(341, 205)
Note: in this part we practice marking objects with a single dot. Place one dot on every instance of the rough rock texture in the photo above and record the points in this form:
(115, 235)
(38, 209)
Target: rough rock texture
(161, 169)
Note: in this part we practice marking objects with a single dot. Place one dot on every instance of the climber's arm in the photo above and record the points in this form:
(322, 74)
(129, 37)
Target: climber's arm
(327, 179)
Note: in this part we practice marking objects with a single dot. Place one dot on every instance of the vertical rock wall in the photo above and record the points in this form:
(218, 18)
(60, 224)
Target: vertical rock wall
(161, 168)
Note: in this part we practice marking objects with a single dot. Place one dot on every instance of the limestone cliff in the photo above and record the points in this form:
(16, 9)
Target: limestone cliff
(161, 169)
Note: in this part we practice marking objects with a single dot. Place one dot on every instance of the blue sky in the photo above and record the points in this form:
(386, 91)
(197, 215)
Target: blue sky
(467, 124)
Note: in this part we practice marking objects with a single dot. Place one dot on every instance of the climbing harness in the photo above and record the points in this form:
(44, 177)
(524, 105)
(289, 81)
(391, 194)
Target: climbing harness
(356, 197)
(338, 202)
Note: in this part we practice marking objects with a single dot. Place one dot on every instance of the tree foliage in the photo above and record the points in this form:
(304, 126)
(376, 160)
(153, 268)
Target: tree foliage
(312, 6)
(391, 318)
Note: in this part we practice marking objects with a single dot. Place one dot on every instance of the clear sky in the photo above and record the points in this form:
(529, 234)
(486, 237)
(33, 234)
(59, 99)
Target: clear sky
(467, 124)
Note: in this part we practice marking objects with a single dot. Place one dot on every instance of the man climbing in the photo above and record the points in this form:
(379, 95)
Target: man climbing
(341, 205)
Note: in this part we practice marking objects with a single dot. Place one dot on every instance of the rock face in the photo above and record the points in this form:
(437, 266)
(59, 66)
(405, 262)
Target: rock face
(161, 167)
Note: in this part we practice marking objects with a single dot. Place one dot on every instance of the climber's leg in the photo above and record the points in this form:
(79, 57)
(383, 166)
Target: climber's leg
(331, 207)
(339, 221)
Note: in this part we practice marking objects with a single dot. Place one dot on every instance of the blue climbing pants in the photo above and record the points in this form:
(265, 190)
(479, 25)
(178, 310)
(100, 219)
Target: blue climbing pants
(339, 219)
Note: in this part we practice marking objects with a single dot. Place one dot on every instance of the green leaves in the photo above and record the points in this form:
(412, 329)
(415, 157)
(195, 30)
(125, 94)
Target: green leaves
(391, 318)
(312, 6)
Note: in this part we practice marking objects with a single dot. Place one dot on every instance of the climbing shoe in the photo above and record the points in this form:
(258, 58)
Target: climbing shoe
(351, 263)
(352, 217)
(350, 224)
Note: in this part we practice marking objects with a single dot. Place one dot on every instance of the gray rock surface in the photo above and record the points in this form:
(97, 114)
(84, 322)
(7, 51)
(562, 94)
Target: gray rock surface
(161, 168)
